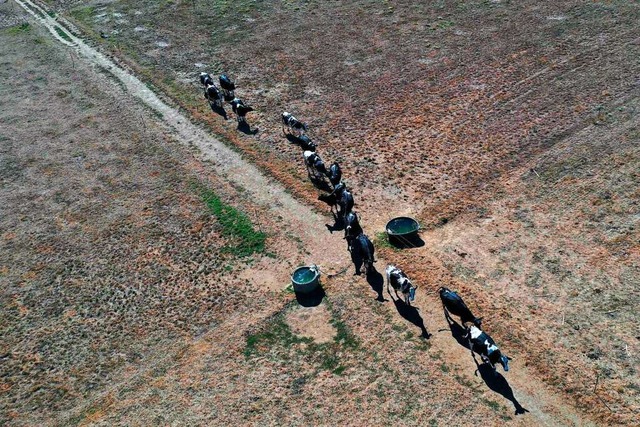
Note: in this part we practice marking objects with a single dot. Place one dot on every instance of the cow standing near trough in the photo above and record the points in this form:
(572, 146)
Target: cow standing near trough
(363, 251)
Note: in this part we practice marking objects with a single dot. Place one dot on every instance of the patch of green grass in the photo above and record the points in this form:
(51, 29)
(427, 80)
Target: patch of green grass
(236, 225)
(339, 370)
(444, 368)
(18, 29)
(63, 34)
(277, 333)
(381, 240)
(344, 336)
(493, 405)
(83, 14)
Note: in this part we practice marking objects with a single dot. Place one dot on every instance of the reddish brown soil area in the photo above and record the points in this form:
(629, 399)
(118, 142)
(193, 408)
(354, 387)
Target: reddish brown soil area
(510, 129)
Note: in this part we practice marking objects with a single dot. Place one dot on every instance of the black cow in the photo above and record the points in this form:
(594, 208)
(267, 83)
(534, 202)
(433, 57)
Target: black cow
(228, 87)
(364, 250)
(481, 342)
(454, 304)
(293, 125)
(399, 280)
(213, 95)
(305, 142)
(205, 79)
(240, 109)
(352, 228)
(334, 174)
(342, 201)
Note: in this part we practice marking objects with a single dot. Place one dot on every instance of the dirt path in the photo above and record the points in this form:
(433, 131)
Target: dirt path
(545, 406)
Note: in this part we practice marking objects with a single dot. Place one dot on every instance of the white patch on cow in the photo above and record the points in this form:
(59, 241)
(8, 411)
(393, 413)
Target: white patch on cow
(475, 332)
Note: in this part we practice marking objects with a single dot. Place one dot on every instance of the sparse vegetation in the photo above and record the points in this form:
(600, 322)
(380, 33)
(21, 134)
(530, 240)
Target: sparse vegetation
(244, 240)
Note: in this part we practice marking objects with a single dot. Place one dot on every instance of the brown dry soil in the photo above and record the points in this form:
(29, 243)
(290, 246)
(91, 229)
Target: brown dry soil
(510, 129)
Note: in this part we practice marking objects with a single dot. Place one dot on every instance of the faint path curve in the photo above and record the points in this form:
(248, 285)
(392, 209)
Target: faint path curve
(271, 195)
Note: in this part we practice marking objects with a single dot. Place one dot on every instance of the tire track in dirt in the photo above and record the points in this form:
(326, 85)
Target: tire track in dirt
(544, 405)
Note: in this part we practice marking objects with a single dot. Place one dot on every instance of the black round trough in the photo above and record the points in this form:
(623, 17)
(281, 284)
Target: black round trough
(402, 230)
(305, 279)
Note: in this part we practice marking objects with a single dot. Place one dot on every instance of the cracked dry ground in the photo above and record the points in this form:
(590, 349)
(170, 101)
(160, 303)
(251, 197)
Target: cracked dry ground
(565, 267)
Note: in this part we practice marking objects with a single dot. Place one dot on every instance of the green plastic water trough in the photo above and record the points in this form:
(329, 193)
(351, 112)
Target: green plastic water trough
(402, 229)
(305, 279)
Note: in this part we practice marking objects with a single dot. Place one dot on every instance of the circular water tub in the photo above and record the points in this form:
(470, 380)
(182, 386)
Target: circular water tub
(402, 228)
(305, 279)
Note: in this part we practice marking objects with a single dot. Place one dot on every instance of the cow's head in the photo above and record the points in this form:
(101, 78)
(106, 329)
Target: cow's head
(504, 361)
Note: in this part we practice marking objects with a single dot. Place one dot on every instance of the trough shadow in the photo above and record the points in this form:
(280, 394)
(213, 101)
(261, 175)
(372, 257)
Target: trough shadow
(410, 313)
(299, 142)
(311, 299)
(376, 281)
(245, 128)
(499, 384)
(402, 242)
(220, 111)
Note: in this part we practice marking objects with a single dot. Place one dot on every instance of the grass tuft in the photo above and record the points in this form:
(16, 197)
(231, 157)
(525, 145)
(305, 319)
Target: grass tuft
(63, 34)
(19, 29)
(236, 226)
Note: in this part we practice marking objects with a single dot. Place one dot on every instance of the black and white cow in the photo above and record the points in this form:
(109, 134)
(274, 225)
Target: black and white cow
(205, 79)
(228, 87)
(352, 228)
(293, 125)
(363, 248)
(240, 109)
(481, 342)
(454, 304)
(213, 95)
(315, 166)
(399, 280)
(334, 174)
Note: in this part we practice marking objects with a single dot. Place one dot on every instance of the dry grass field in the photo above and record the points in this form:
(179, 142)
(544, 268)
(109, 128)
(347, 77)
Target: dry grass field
(511, 130)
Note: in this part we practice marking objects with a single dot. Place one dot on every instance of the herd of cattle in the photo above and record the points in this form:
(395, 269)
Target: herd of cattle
(340, 199)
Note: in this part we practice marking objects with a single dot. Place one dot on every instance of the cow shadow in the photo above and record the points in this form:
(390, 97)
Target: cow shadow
(320, 183)
(406, 242)
(458, 332)
(498, 384)
(311, 299)
(492, 378)
(411, 314)
(376, 281)
(219, 111)
(245, 128)
(338, 223)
